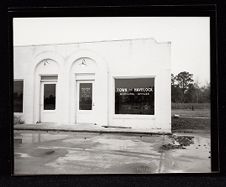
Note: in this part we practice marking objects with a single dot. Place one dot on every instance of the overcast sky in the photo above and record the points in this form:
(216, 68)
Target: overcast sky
(189, 36)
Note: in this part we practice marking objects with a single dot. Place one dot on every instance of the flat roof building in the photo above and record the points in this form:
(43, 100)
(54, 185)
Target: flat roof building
(124, 83)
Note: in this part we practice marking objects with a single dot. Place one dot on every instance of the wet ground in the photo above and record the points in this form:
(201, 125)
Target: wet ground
(40, 152)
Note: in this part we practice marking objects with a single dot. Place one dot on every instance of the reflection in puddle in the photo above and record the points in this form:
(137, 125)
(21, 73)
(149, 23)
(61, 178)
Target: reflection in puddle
(22, 155)
(36, 137)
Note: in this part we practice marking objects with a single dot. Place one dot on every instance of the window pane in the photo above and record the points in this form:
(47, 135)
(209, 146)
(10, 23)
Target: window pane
(85, 96)
(49, 96)
(49, 78)
(134, 96)
(18, 96)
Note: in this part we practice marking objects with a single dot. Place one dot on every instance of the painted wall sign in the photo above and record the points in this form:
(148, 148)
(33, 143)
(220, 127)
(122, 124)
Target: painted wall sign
(134, 91)
(134, 96)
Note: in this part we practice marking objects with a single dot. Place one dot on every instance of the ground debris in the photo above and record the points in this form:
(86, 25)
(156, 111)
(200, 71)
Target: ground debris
(171, 146)
(183, 140)
(176, 116)
(178, 142)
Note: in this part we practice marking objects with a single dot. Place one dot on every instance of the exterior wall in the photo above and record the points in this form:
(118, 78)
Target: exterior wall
(106, 60)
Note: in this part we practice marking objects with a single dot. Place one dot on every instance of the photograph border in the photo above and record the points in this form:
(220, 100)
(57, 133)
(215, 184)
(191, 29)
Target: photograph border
(131, 11)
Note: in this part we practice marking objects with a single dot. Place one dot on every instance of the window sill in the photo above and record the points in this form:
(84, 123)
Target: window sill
(132, 116)
(49, 111)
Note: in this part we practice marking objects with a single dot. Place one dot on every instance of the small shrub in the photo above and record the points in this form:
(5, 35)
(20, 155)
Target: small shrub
(18, 120)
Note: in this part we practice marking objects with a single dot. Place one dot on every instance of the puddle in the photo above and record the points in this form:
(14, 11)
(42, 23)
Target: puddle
(186, 153)
(40, 152)
(135, 168)
(36, 137)
(22, 155)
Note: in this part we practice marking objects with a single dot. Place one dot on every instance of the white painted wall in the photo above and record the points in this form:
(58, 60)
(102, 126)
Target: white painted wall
(106, 60)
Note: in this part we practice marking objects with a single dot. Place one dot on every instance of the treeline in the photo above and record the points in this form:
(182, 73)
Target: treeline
(185, 90)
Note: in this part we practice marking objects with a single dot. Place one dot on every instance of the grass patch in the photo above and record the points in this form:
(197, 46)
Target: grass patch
(190, 123)
(192, 113)
(190, 105)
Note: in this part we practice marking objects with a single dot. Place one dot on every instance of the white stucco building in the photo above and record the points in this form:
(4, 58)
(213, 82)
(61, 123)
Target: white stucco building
(107, 83)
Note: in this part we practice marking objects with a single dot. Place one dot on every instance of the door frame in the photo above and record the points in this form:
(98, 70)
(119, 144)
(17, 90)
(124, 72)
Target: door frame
(86, 77)
(78, 111)
(41, 99)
